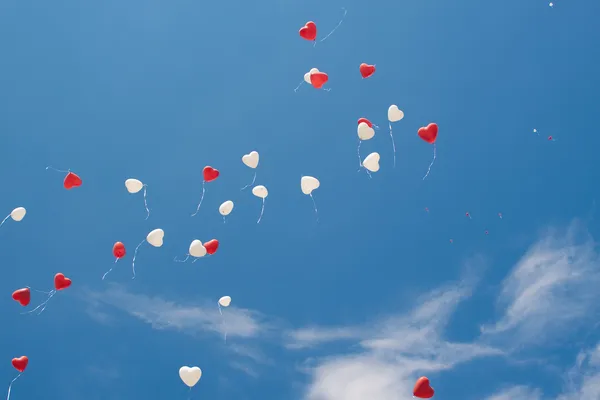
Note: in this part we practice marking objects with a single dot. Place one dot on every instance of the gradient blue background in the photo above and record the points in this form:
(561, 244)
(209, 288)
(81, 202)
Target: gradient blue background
(158, 89)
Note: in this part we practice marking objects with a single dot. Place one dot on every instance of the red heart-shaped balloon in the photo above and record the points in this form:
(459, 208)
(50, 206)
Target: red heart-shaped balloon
(210, 173)
(119, 250)
(211, 246)
(366, 70)
(366, 121)
(71, 181)
(309, 31)
(23, 296)
(422, 388)
(61, 282)
(20, 363)
(318, 79)
(428, 133)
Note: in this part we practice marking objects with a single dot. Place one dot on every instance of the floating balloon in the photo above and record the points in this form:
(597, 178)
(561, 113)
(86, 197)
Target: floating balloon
(20, 364)
(17, 215)
(196, 250)
(154, 238)
(119, 252)
(251, 161)
(318, 79)
(371, 162)
(133, 186)
(366, 70)
(365, 132)
(226, 208)
(22, 296)
(366, 121)
(306, 78)
(468, 215)
(307, 185)
(71, 179)
(211, 246)
(225, 301)
(394, 115)
(210, 174)
(61, 282)
(500, 215)
(429, 134)
(190, 376)
(551, 139)
(422, 388)
(261, 192)
(309, 31)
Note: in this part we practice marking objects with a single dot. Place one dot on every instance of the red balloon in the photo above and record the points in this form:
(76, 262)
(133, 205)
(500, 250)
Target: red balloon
(366, 121)
(549, 137)
(119, 250)
(20, 363)
(318, 79)
(211, 246)
(71, 181)
(422, 388)
(210, 173)
(23, 296)
(366, 70)
(309, 31)
(61, 282)
(428, 133)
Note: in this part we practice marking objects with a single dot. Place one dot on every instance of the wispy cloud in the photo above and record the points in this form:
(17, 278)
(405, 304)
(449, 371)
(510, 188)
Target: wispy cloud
(517, 393)
(192, 319)
(550, 291)
(584, 378)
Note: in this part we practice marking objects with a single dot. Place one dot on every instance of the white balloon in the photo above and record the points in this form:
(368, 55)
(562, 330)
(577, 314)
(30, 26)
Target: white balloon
(394, 113)
(18, 213)
(155, 238)
(371, 162)
(197, 249)
(251, 160)
(226, 207)
(308, 184)
(133, 185)
(308, 74)
(190, 376)
(260, 191)
(365, 132)
(225, 301)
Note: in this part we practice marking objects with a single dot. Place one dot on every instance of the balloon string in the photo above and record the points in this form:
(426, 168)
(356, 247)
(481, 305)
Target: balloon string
(219, 305)
(430, 165)
(250, 184)
(111, 268)
(146, 202)
(375, 126)
(223, 219)
(262, 210)
(57, 170)
(327, 90)
(43, 305)
(358, 153)
(338, 25)
(39, 291)
(393, 145)
(10, 386)
(201, 199)
(4, 220)
(315, 206)
(134, 256)
(182, 261)
(298, 87)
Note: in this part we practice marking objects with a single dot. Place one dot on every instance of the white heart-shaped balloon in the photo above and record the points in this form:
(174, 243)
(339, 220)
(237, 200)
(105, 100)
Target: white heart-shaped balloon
(18, 213)
(226, 208)
(155, 238)
(197, 249)
(371, 162)
(365, 132)
(394, 113)
(190, 376)
(225, 301)
(251, 160)
(260, 191)
(308, 184)
(133, 185)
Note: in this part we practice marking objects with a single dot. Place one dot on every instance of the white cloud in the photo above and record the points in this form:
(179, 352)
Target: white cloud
(314, 336)
(551, 290)
(517, 393)
(584, 378)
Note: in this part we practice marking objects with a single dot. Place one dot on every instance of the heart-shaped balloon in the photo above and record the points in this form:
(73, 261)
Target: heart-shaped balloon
(71, 181)
(366, 121)
(365, 132)
(318, 79)
(18, 214)
(309, 31)
(20, 363)
(225, 301)
(371, 162)
(190, 376)
(133, 185)
(308, 184)
(61, 282)
(308, 74)
(197, 249)
(422, 388)
(211, 246)
(119, 250)
(155, 238)
(251, 160)
(428, 133)
(23, 296)
(210, 173)
(394, 113)
(366, 70)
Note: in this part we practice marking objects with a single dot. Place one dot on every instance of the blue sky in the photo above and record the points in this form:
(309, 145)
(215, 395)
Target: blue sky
(356, 306)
